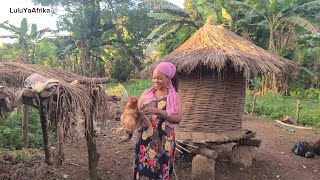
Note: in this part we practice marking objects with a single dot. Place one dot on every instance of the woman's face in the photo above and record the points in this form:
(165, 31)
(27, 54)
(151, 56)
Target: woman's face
(159, 80)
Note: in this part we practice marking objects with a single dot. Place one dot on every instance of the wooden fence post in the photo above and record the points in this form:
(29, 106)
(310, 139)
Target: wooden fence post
(298, 111)
(45, 134)
(254, 103)
(93, 155)
(25, 125)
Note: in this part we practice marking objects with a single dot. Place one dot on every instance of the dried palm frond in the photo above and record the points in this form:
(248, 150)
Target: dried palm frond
(69, 98)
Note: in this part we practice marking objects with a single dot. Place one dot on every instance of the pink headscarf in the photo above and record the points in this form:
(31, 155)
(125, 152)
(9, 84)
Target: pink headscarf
(169, 70)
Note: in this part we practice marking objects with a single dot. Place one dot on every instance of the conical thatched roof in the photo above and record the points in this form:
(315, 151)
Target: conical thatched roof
(216, 47)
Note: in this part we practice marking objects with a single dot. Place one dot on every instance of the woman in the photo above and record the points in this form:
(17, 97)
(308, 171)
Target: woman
(155, 155)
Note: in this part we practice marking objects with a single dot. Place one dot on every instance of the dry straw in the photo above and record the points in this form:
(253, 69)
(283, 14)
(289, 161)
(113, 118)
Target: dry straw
(70, 99)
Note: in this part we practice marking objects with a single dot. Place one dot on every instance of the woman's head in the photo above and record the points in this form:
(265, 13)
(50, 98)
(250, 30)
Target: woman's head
(163, 74)
(160, 80)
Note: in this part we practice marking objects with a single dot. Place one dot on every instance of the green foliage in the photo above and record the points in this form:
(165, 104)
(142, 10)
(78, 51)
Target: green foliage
(275, 106)
(171, 19)
(255, 83)
(137, 87)
(308, 94)
(134, 87)
(175, 40)
(11, 132)
(121, 69)
(10, 51)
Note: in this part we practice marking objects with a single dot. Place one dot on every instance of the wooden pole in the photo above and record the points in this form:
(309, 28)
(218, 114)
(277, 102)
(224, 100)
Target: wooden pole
(254, 103)
(59, 155)
(25, 125)
(45, 136)
(298, 111)
(93, 156)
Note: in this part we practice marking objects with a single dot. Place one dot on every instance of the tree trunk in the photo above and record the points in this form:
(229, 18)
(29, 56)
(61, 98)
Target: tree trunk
(84, 56)
(93, 156)
(45, 135)
(25, 121)
(265, 84)
(33, 54)
(271, 40)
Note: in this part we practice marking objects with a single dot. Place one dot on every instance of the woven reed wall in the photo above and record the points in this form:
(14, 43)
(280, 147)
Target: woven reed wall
(211, 105)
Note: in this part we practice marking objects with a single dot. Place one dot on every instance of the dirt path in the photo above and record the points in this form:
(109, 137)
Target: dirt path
(273, 160)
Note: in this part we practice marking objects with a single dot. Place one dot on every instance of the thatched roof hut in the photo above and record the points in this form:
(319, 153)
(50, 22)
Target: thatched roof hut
(213, 66)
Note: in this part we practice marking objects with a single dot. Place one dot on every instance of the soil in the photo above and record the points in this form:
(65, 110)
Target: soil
(274, 159)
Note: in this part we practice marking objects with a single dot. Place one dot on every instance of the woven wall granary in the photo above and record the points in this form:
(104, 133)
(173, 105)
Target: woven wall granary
(211, 104)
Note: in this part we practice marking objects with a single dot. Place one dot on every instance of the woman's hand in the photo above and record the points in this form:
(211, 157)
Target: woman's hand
(151, 110)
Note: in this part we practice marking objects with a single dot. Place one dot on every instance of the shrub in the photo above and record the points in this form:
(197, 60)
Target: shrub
(121, 69)
(11, 131)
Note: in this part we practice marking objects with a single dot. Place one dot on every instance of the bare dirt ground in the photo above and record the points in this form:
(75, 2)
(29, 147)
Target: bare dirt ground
(273, 160)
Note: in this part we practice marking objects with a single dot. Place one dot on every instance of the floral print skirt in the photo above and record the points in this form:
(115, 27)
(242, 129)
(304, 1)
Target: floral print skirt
(155, 155)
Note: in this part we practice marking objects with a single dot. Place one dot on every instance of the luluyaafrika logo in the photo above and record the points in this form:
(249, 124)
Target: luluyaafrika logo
(29, 10)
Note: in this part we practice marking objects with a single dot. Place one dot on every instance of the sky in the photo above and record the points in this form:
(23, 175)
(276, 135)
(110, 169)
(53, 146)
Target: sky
(42, 20)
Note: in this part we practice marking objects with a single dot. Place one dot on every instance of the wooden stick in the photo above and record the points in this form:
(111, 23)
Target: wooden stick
(91, 80)
(288, 129)
(183, 148)
(187, 144)
(73, 164)
(298, 112)
(290, 125)
(179, 150)
(254, 103)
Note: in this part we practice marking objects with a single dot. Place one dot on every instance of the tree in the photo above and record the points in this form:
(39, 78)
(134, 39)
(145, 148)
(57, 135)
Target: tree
(280, 17)
(175, 22)
(170, 20)
(27, 39)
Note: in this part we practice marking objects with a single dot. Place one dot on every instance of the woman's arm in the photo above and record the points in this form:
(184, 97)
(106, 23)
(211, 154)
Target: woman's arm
(173, 118)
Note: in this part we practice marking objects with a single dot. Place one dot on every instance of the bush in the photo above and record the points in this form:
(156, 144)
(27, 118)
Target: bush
(309, 94)
(121, 69)
(20, 156)
(11, 131)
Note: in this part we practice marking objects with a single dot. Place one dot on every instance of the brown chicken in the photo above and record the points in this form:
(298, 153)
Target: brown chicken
(132, 119)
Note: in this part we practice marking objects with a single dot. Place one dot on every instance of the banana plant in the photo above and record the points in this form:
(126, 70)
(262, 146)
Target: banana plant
(281, 17)
(28, 38)
(170, 19)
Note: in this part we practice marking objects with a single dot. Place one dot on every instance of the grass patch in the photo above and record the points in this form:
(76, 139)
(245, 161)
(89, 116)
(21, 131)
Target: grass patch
(275, 106)
(134, 87)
